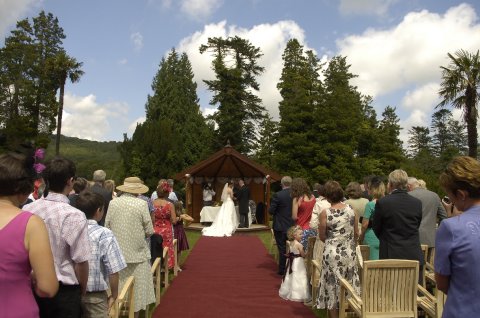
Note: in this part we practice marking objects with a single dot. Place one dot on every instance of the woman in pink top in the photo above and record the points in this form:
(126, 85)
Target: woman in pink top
(24, 243)
(302, 207)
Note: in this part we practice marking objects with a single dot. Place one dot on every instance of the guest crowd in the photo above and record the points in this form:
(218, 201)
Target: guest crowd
(394, 218)
(68, 245)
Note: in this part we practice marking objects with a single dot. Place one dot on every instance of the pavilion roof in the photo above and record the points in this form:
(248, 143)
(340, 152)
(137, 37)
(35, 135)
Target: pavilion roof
(227, 162)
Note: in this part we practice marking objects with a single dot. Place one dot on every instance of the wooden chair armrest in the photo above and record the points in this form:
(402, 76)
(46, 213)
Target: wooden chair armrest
(155, 265)
(426, 293)
(429, 267)
(349, 288)
(126, 286)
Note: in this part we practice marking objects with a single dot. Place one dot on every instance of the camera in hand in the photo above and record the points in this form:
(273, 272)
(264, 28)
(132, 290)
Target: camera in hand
(446, 200)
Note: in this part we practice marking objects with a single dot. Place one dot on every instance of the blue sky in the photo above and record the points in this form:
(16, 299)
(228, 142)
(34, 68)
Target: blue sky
(395, 46)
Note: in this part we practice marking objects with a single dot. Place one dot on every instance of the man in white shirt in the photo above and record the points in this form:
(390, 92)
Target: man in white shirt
(68, 232)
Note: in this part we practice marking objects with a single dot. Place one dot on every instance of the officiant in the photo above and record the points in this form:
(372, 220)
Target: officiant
(243, 197)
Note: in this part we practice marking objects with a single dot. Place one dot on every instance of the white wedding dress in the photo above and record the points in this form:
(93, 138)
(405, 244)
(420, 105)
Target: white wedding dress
(226, 221)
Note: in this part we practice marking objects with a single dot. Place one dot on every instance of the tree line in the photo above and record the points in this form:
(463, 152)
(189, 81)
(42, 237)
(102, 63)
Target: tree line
(327, 129)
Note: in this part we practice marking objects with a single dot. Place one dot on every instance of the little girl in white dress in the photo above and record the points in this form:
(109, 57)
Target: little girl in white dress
(295, 285)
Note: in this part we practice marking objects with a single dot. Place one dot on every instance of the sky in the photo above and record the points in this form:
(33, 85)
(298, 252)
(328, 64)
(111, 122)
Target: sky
(396, 48)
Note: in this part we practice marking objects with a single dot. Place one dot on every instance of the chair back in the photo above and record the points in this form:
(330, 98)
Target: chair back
(390, 287)
(124, 304)
(315, 281)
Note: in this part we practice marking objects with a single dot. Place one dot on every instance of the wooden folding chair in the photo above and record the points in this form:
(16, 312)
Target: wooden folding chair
(432, 305)
(424, 248)
(124, 304)
(157, 278)
(389, 289)
(165, 267)
(157, 288)
(315, 280)
(175, 252)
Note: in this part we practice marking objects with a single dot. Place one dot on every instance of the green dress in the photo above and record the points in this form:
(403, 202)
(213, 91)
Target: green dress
(370, 238)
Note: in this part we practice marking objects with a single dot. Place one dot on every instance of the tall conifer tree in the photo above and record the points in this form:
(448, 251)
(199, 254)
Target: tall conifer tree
(27, 85)
(239, 109)
(301, 89)
(174, 134)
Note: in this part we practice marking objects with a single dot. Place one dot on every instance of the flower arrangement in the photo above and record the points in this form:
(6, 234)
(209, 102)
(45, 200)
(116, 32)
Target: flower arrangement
(37, 157)
(165, 187)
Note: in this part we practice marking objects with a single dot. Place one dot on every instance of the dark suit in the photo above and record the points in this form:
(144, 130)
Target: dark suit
(243, 198)
(281, 211)
(107, 197)
(396, 222)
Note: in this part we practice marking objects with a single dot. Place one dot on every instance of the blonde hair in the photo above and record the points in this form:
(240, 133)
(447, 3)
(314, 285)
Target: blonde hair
(291, 232)
(398, 179)
(377, 190)
(422, 184)
(462, 173)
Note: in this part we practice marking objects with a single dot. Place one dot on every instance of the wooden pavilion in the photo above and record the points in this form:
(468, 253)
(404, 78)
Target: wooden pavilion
(222, 166)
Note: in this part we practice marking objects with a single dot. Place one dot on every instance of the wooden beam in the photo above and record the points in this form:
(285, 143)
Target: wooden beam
(267, 204)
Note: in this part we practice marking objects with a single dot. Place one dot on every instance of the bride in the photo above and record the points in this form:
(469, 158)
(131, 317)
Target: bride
(226, 221)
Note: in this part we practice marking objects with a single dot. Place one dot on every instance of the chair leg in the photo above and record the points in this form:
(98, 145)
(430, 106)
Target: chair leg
(342, 304)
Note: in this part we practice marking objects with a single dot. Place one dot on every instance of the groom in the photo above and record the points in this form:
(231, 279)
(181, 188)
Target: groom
(243, 196)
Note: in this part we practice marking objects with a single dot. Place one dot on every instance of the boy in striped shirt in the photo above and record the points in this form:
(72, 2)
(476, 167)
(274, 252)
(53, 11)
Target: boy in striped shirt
(105, 261)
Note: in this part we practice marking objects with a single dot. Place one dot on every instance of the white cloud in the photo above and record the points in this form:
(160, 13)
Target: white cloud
(208, 111)
(133, 125)
(416, 118)
(270, 38)
(137, 40)
(423, 98)
(408, 55)
(200, 9)
(365, 7)
(411, 52)
(123, 61)
(13, 10)
(85, 118)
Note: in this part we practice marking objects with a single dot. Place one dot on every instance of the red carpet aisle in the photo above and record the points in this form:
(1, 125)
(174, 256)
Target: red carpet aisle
(228, 277)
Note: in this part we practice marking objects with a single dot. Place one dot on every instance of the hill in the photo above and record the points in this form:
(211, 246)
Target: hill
(89, 156)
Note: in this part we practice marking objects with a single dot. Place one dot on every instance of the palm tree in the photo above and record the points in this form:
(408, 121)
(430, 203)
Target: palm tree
(64, 67)
(460, 87)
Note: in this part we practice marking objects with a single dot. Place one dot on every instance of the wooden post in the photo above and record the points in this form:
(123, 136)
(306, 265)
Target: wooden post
(188, 194)
(267, 204)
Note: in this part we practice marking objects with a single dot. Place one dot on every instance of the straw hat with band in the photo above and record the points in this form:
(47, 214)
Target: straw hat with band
(133, 185)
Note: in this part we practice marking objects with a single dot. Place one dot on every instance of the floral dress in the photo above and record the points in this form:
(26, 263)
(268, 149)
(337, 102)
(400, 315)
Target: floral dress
(339, 258)
(163, 227)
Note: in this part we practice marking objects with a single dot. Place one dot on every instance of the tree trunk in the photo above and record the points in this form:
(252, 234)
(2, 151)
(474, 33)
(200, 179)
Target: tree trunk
(471, 115)
(59, 120)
